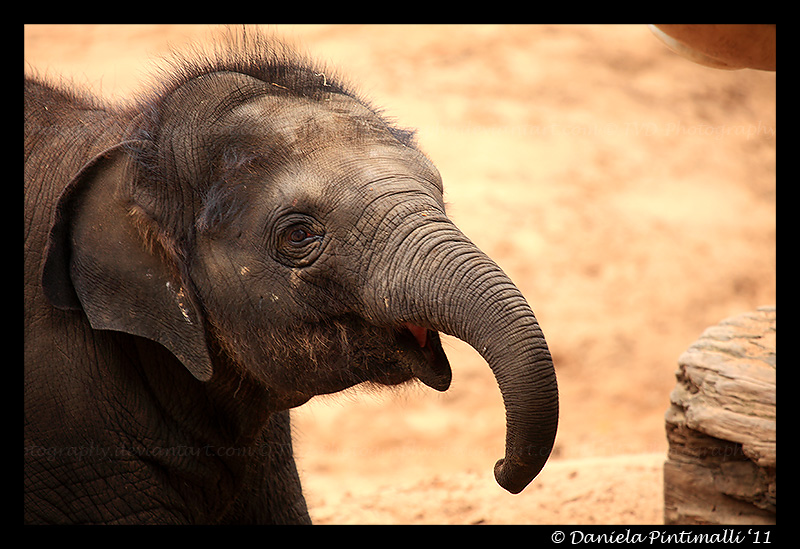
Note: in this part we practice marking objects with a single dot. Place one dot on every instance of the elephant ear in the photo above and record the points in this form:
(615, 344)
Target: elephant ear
(98, 260)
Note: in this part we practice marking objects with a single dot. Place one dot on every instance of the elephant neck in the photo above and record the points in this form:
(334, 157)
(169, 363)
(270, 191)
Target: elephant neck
(223, 416)
(237, 400)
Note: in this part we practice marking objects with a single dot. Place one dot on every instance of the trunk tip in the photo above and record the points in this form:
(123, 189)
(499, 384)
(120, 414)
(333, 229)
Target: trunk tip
(514, 477)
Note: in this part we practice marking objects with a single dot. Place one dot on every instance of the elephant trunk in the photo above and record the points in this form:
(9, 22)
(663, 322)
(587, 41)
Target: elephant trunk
(448, 285)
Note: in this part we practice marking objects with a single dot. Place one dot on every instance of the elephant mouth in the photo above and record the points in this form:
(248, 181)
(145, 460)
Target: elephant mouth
(431, 366)
(355, 352)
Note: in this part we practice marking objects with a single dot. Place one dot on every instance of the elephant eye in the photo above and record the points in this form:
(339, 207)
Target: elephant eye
(301, 236)
(299, 240)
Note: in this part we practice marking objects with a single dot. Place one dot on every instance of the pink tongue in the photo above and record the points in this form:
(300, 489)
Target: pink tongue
(421, 334)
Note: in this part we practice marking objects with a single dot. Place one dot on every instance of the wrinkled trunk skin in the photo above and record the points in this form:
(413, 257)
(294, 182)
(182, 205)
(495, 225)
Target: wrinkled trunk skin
(447, 284)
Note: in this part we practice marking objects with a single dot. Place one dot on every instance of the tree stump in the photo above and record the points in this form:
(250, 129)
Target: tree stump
(721, 426)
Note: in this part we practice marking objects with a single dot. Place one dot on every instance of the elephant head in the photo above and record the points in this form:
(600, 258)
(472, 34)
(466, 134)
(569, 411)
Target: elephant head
(277, 220)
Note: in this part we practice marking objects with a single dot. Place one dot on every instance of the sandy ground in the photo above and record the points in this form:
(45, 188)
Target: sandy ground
(630, 195)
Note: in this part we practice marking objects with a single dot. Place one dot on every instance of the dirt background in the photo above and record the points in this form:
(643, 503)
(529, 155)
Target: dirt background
(629, 193)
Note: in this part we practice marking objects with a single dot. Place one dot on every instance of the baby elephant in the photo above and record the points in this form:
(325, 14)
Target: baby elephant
(249, 235)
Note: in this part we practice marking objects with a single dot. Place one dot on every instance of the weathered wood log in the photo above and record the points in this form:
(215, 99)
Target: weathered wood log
(721, 426)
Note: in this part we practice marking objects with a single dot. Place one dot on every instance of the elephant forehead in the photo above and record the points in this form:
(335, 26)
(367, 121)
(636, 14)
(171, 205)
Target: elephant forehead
(353, 171)
(338, 141)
